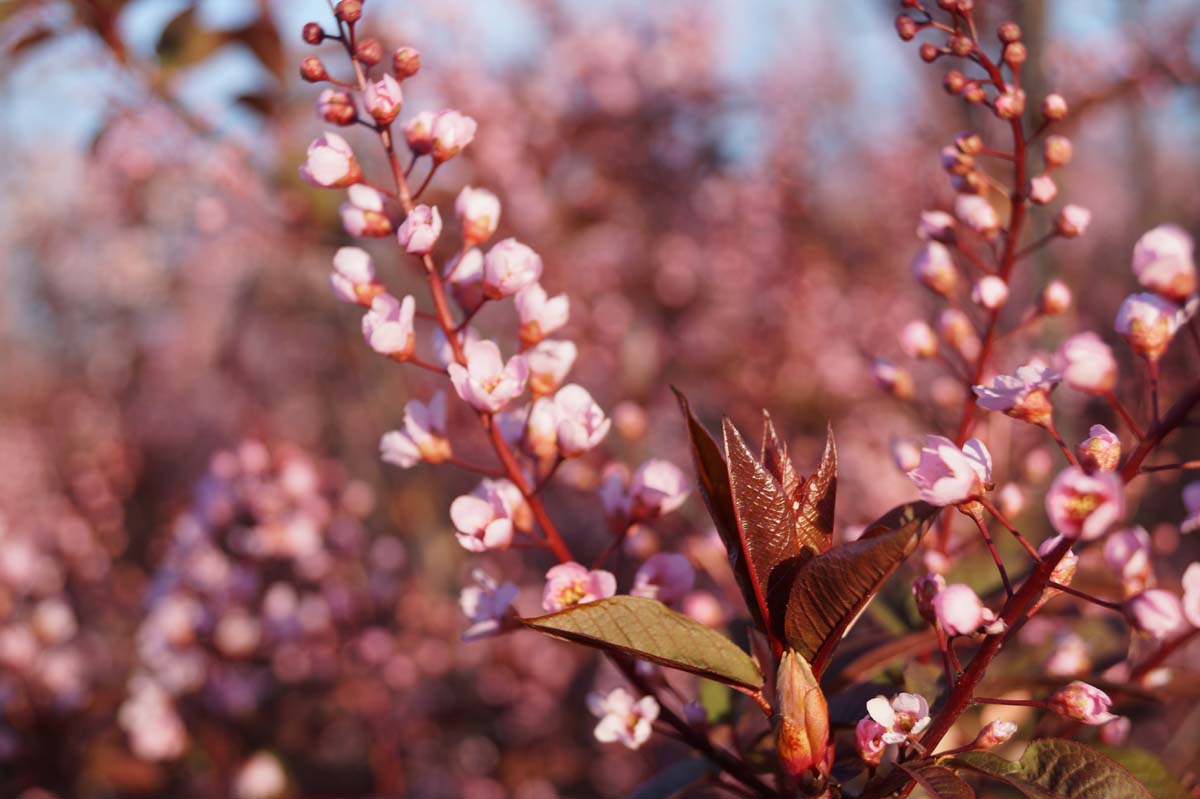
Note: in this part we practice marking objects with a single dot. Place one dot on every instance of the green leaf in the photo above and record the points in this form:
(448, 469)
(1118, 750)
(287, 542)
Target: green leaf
(713, 477)
(648, 629)
(672, 780)
(924, 679)
(814, 517)
(717, 700)
(1054, 768)
(833, 588)
(1146, 769)
(938, 781)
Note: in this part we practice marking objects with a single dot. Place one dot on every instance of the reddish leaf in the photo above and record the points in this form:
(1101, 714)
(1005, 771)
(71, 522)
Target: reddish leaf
(775, 458)
(833, 588)
(938, 781)
(1054, 768)
(814, 522)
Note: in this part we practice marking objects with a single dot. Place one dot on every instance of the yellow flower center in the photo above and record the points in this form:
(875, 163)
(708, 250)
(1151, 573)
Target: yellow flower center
(1080, 506)
(571, 594)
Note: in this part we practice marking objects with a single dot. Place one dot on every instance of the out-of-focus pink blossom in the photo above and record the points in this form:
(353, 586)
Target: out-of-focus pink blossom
(918, 340)
(657, 487)
(1011, 499)
(1054, 107)
(487, 383)
(1042, 190)
(948, 475)
(1064, 570)
(368, 212)
(622, 719)
(1072, 221)
(936, 226)
(961, 612)
(419, 133)
(1057, 150)
(1148, 323)
(1069, 657)
(336, 107)
(1164, 262)
(423, 437)
(451, 132)
(1082, 702)
(482, 523)
(892, 378)
(1157, 613)
(464, 273)
(549, 363)
(1127, 554)
(388, 326)
(260, 777)
(486, 604)
(1024, 395)
(956, 329)
(331, 163)
(353, 276)
(902, 716)
(905, 454)
(666, 577)
(441, 346)
(1010, 104)
(571, 584)
(977, 213)
(704, 608)
(149, 718)
(1191, 594)
(420, 230)
(508, 267)
(1100, 451)
(933, 267)
(539, 314)
(1082, 505)
(868, 740)
(478, 213)
(990, 292)
(382, 99)
(1056, 298)
(995, 734)
(1087, 364)
(581, 423)
(1116, 732)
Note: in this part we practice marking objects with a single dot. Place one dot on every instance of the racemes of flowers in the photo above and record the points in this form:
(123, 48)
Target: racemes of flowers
(802, 590)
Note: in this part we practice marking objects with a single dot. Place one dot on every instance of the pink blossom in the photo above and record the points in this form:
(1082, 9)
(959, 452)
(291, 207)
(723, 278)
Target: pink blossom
(868, 739)
(1011, 499)
(451, 132)
(1148, 323)
(995, 734)
(892, 378)
(478, 213)
(388, 326)
(961, 612)
(581, 424)
(1072, 221)
(1069, 657)
(1100, 451)
(1191, 594)
(977, 213)
(1024, 395)
(382, 99)
(1057, 150)
(957, 330)
(423, 436)
(487, 383)
(1157, 613)
(487, 605)
(990, 292)
(549, 363)
(666, 577)
(622, 719)
(539, 314)
(1191, 504)
(905, 454)
(1127, 554)
(464, 273)
(330, 163)
(1164, 262)
(509, 267)
(918, 340)
(1116, 732)
(420, 230)
(441, 345)
(483, 522)
(1082, 702)
(948, 475)
(1064, 570)
(936, 226)
(336, 107)
(1082, 505)
(933, 267)
(353, 276)
(1087, 364)
(904, 715)
(1042, 190)
(260, 777)
(571, 584)
(419, 133)
(368, 212)
(658, 487)
(1054, 107)
(1056, 298)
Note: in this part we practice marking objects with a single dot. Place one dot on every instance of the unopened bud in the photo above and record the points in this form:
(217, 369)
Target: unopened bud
(994, 734)
(1015, 54)
(1042, 190)
(934, 268)
(1010, 104)
(955, 162)
(1100, 451)
(1054, 107)
(1082, 702)
(960, 45)
(337, 107)
(906, 27)
(1072, 221)
(349, 11)
(1009, 32)
(1055, 299)
(973, 93)
(312, 33)
(990, 292)
(918, 340)
(406, 62)
(954, 81)
(968, 143)
(956, 330)
(1057, 151)
(929, 53)
(312, 70)
(369, 52)
(893, 379)
(804, 717)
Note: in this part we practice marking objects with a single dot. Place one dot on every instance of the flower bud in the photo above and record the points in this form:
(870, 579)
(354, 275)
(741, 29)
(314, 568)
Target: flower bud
(804, 718)
(383, 99)
(368, 212)
(1164, 263)
(934, 268)
(1100, 451)
(960, 45)
(353, 277)
(868, 740)
(1042, 190)
(977, 213)
(478, 212)
(995, 734)
(313, 70)
(451, 132)
(1127, 553)
(1024, 395)
(991, 292)
(406, 62)
(1072, 221)
(509, 267)
(1015, 54)
(1156, 613)
(954, 81)
(1055, 299)
(330, 163)
(924, 590)
(929, 53)
(1116, 732)
(936, 226)
(918, 340)
(1064, 571)
(419, 133)
(419, 231)
(1009, 33)
(1082, 702)
(957, 163)
(956, 330)
(893, 379)
(905, 454)
(313, 33)
(336, 107)
(349, 11)
(1054, 107)
(1011, 500)
(1148, 323)
(974, 93)
(369, 52)
(1057, 151)
(1010, 104)
(906, 27)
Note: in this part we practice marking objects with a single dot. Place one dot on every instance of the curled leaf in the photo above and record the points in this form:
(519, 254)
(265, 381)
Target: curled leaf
(938, 781)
